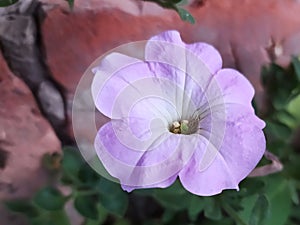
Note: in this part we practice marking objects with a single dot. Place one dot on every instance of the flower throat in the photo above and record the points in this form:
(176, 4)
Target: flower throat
(183, 127)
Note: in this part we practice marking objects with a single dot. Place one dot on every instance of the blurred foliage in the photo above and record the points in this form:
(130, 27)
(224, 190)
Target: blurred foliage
(4, 3)
(269, 200)
(94, 197)
(175, 5)
(71, 3)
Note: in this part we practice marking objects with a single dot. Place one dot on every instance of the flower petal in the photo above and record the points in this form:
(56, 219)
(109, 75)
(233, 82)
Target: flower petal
(109, 65)
(162, 184)
(160, 47)
(171, 36)
(115, 94)
(149, 163)
(235, 87)
(176, 81)
(190, 66)
(235, 158)
(207, 54)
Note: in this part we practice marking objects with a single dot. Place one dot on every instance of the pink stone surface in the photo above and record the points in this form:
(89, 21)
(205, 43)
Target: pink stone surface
(25, 136)
(133, 7)
(240, 29)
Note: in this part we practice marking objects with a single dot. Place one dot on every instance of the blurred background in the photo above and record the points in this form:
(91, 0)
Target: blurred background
(46, 48)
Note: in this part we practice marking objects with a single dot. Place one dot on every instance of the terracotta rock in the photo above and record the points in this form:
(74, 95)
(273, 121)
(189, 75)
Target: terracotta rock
(241, 30)
(246, 32)
(87, 36)
(134, 7)
(20, 44)
(25, 136)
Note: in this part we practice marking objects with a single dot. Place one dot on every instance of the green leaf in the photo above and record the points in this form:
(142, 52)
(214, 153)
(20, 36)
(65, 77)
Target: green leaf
(103, 214)
(212, 209)
(225, 221)
(168, 215)
(232, 213)
(293, 109)
(49, 198)
(278, 129)
(22, 206)
(86, 205)
(4, 3)
(295, 216)
(252, 186)
(260, 211)
(293, 191)
(293, 167)
(196, 206)
(176, 1)
(71, 163)
(182, 3)
(168, 4)
(51, 218)
(278, 194)
(173, 197)
(173, 4)
(112, 197)
(296, 65)
(185, 15)
(87, 175)
(281, 85)
(122, 221)
(287, 118)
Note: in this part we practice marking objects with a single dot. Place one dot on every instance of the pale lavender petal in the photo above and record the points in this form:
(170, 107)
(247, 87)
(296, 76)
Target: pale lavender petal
(107, 87)
(109, 65)
(235, 88)
(171, 36)
(162, 184)
(160, 47)
(208, 55)
(158, 51)
(177, 81)
(138, 80)
(148, 165)
(186, 67)
(228, 86)
(116, 93)
(188, 91)
(242, 148)
(211, 181)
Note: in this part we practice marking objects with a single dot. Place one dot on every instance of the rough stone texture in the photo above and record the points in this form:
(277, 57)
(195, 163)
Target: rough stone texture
(89, 34)
(24, 137)
(19, 37)
(24, 7)
(51, 100)
(15, 48)
(133, 7)
(242, 30)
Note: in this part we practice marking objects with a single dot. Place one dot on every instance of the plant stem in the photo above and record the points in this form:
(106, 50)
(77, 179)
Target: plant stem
(231, 212)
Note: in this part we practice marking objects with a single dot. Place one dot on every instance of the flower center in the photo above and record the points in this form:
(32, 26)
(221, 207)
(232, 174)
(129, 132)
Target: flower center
(180, 127)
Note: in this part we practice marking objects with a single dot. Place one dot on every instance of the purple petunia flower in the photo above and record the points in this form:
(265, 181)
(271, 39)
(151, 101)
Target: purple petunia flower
(176, 113)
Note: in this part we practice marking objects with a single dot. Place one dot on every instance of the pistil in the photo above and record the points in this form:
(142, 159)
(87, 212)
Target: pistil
(180, 127)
